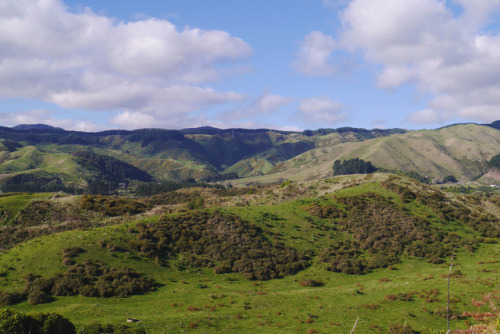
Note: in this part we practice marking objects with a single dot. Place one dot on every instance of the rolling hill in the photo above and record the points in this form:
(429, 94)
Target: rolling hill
(260, 155)
(462, 151)
(308, 257)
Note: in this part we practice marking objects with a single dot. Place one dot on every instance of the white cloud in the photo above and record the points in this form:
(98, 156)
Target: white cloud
(428, 116)
(39, 116)
(453, 57)
(320, 111)
(264, 104)
(315, 55)
(422, 42)
(84, 60)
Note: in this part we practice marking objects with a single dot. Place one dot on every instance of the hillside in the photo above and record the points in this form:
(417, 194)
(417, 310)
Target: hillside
(164, 154)
(462, 151)
(255, 156)
(293, 257)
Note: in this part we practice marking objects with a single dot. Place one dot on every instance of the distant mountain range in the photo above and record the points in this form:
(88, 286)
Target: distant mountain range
(47, 152)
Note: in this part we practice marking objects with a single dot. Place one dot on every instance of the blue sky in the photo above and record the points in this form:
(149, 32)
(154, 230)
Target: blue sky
(295, 64)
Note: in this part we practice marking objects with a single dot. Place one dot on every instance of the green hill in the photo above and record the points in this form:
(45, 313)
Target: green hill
(462, 151)
(257, 156)
(308, 257)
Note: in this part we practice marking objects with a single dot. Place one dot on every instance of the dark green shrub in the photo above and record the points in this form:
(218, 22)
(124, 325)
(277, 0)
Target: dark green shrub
(53, 323)
(13, 322)
(112, 329)
(206, 239)
(37, 297)
(352, 166)
(11, 298)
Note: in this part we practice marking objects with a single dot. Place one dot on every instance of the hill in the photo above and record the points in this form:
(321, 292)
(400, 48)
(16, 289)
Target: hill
(462, 151)
(165, 154)
(261, 155)
(291, 257)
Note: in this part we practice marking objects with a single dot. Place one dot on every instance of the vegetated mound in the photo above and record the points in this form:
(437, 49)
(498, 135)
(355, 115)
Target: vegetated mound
(39, 217)
(88, 279)
(113, 169)
(484, 223)
(32, 183)
(380, 229)
(215, 239)
(112, 206)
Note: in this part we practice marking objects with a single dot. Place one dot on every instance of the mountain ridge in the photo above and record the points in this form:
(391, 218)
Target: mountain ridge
(461, 151)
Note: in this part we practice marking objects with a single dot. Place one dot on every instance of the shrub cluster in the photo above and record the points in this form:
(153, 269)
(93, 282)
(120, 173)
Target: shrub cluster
(38, 323)
(344, 256)
(89, 279)
(171, 198)
(112, 206)
(212, 238)
(352, 166)
(110, 329)
(155, 188)
(324, 211)
(485, 224)
(111, 168)
(381, 233)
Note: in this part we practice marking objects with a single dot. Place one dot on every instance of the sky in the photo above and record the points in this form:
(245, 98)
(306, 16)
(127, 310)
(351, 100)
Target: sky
(91, 65)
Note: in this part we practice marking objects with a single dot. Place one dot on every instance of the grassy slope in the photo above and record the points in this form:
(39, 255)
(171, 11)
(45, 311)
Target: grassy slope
(462, 151)
(12, 203)
(277, 306)
(33, 160)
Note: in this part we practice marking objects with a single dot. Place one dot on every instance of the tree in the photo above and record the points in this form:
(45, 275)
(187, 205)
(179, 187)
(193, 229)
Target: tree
(495, 162)
(352, 166)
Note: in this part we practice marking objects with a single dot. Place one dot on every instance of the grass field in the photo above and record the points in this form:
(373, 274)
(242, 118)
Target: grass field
(195, 299)
(200, 301)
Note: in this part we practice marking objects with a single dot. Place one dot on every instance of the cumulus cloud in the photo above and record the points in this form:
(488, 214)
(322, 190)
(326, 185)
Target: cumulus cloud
(429, 116)
(453, 57)
(315, 55)
(85, 60)
(320, 111)
(48, 117)
(264, 104)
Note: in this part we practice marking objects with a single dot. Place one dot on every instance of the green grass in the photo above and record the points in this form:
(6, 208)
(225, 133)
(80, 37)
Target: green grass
(12, 203)
(197, 300)
(277, 306)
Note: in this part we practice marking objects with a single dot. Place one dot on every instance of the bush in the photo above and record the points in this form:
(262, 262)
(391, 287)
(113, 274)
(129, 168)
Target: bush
(353, 166)
(112, 206)
(205, 239)
(38, 297)
(89, 279)
(14, 322)
(11, 298)
(109, 329)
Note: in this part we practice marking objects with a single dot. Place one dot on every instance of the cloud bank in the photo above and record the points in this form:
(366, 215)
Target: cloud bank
(452, 55)
(148, 70)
